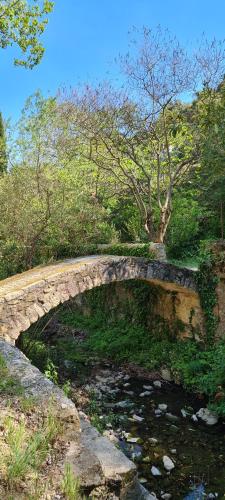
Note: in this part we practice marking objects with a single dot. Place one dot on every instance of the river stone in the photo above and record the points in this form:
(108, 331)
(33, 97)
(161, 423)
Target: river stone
(134, 440)
(171, 417)
(136, 418)
(139, 493)
(153, 440)
(157, 384)
(162, 407)
(166, 374)
(145, 393)
(124, 404)
(209, 417)
(155, 471)
(168, 463)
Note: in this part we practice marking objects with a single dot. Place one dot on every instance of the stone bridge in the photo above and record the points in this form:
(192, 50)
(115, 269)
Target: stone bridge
(26, 297)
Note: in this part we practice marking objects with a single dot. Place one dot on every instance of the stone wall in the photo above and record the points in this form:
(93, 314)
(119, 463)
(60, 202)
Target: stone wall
(180, 312)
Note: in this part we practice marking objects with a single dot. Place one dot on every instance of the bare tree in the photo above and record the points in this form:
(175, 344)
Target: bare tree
(143, 137)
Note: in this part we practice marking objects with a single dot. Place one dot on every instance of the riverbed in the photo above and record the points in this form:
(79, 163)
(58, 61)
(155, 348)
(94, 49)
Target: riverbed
(153, 419)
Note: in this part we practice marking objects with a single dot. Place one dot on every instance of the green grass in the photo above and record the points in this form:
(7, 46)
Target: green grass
(70, 484)
(8, 384)
(23, 451)
(190, 262)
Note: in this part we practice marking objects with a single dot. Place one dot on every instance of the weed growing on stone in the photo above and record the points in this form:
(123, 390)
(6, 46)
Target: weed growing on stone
(70, 484)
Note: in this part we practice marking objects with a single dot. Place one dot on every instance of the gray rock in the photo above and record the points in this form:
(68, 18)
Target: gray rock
(171, 417)
(166, 374)
(124, 404)
(129, 393)
(209, 417)
(145, 393)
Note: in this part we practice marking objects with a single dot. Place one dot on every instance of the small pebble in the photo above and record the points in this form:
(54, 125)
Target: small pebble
(146, 393)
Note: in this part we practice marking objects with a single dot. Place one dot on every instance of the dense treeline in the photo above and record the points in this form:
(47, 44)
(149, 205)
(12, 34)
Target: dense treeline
(141, 163)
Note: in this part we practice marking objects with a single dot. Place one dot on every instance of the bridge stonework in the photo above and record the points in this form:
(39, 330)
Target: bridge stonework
(28, 296)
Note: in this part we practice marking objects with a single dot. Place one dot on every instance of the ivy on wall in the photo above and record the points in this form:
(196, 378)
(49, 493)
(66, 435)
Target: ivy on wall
(207, 282)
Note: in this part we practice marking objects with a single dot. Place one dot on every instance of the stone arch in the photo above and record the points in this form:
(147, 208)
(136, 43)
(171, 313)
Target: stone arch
(28, 296)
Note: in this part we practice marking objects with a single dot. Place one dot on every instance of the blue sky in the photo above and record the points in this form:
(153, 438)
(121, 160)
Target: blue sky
(84, 36)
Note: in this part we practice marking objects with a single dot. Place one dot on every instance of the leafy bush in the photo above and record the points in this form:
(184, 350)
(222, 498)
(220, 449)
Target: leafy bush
(141, 250)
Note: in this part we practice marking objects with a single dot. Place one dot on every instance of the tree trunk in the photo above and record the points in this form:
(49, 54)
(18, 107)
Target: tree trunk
(149, 227)
(221, 220)
(163, 225)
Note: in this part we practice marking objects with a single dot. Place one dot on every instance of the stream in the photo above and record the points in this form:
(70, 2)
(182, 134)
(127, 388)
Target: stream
(152, 419)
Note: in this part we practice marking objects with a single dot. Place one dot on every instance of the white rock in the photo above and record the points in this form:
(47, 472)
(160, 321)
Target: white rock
(148, 387)
(183, 413)
(194, 418)
(155, 471)
(209, 417)
(157, 384)
(173, 451)
(136, 418)
(162, 407)
(168, 463)
(166, 496)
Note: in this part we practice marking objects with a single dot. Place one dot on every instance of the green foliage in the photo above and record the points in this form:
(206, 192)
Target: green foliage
(51, 372)
(22, 24)
(136, 250)
(206, 283)
(181, 238)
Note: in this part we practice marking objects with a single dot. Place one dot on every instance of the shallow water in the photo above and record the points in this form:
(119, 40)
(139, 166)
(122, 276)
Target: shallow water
(197, 450)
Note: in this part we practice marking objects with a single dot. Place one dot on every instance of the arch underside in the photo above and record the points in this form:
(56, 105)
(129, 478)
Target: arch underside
(28, 296)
